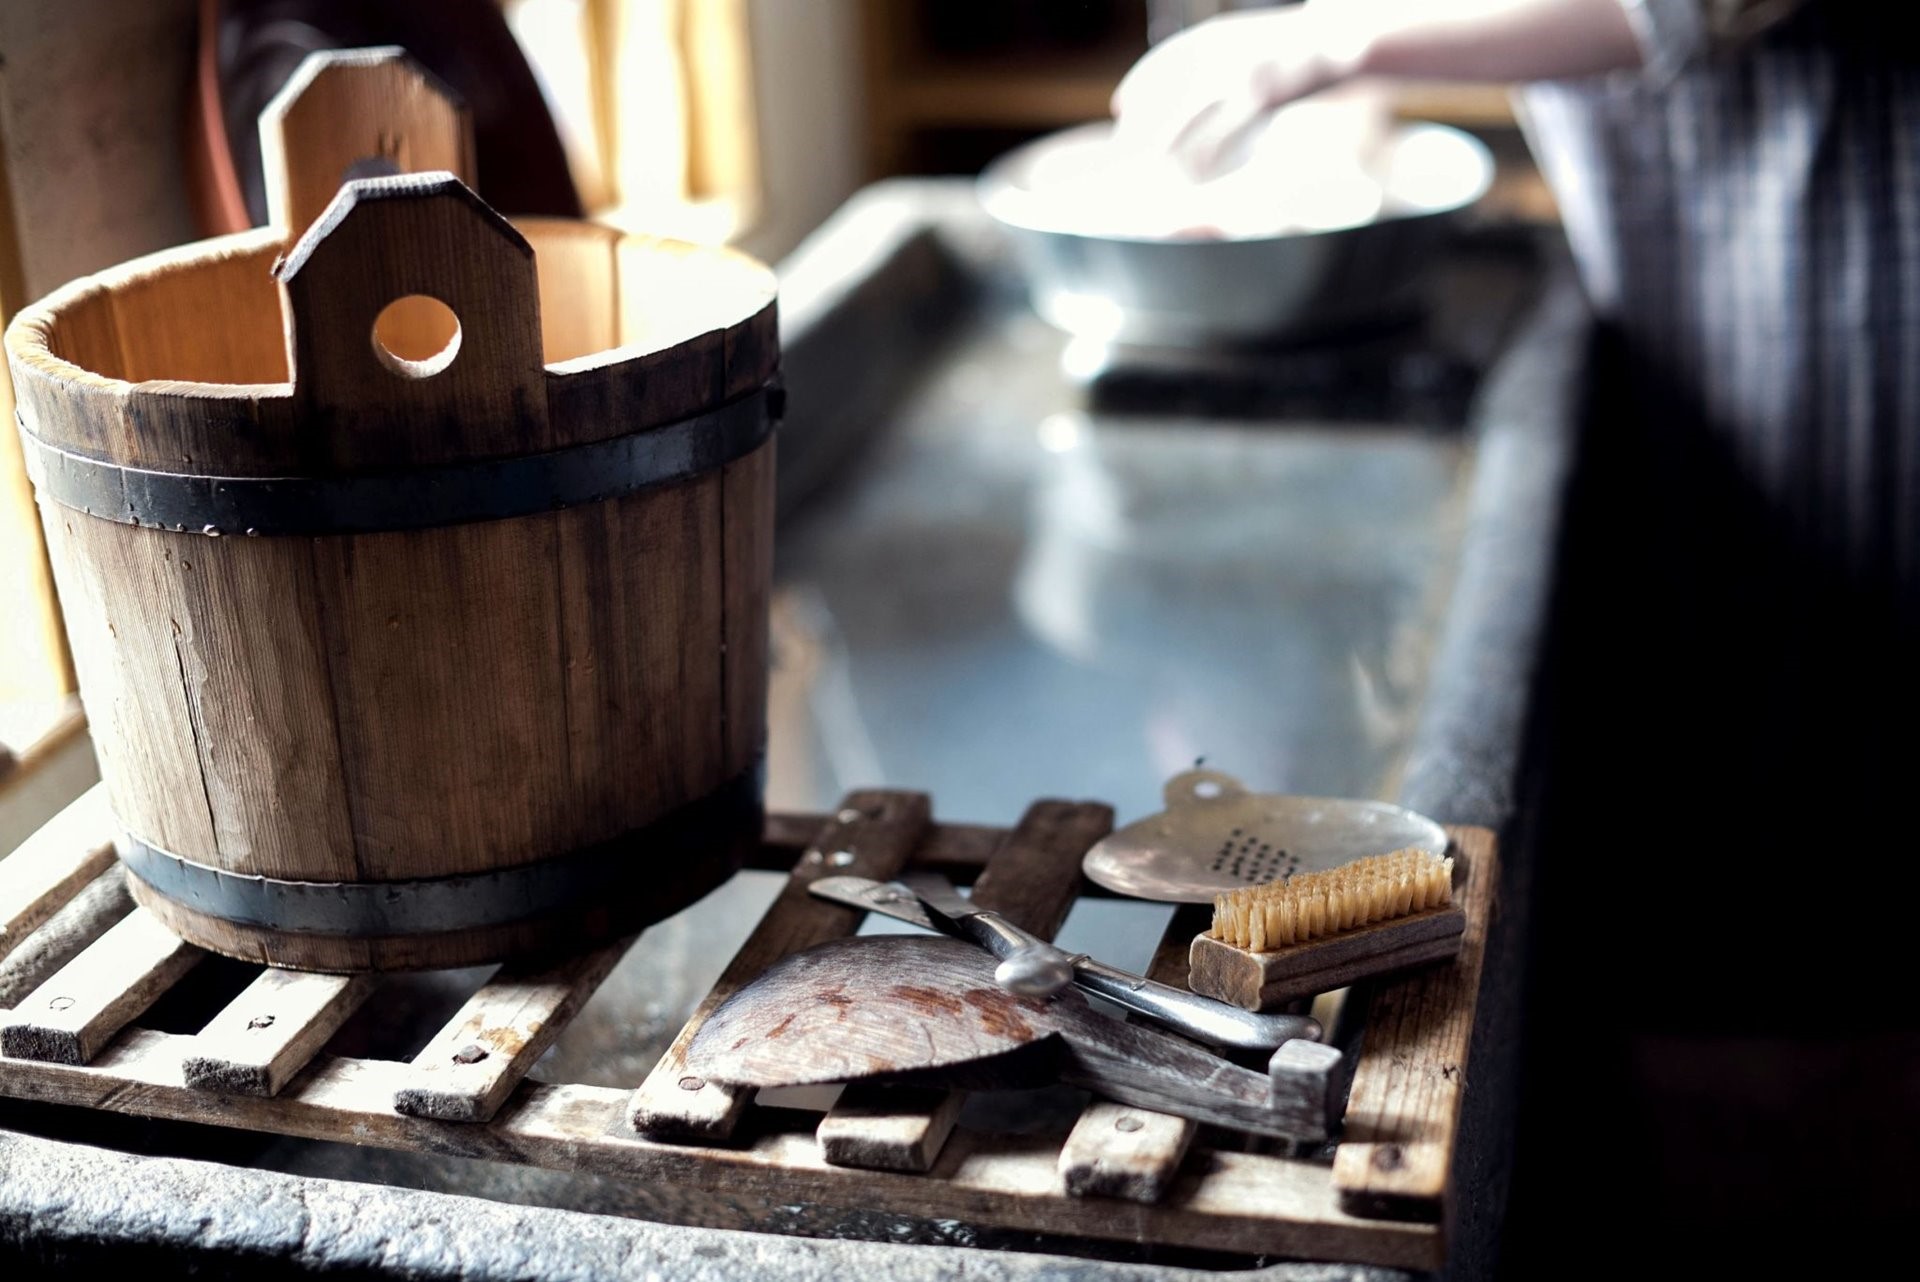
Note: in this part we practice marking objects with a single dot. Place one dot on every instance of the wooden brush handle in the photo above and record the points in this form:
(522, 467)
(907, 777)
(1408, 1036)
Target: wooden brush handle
(1266, 981)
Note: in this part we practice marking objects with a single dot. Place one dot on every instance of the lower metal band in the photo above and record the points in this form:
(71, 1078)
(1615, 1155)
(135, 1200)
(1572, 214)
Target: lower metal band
(702, 830)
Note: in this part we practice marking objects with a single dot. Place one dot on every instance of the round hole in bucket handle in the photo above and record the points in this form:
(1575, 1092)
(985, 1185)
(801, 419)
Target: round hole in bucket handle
(416, 336)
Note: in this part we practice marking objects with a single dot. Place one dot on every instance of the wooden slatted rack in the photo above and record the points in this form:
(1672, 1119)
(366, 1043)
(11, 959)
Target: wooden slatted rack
(1121, 1173)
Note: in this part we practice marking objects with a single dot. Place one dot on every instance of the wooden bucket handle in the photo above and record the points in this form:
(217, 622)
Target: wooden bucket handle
(356, 113)
(386, 239)
(368, 160)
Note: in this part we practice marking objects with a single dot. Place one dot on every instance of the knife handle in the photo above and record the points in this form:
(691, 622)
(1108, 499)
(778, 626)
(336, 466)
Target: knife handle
(1029, 965)
(1023, 955)
(1299, 1096)
(1032, 967)
(1210, 1021)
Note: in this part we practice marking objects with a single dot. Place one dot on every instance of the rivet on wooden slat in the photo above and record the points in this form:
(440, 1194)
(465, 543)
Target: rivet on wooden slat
(1129, 1153)
(76, 1012)
(1237, 1202)
(466, 1072)
(269, 1032)
(1409, 1086)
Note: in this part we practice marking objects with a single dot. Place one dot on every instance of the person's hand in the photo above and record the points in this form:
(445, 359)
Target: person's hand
(1196, 94)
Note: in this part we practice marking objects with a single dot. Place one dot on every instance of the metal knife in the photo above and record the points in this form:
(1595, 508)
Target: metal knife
(1203, 1018)
(1029, 965)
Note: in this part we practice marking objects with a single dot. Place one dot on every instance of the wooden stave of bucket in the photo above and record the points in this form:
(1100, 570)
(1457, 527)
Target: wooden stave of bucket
(261, 743)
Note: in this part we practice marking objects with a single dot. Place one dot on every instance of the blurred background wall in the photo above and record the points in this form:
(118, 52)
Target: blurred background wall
(811, 110)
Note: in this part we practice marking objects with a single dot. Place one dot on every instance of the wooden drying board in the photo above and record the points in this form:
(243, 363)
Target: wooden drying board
(260, 1065)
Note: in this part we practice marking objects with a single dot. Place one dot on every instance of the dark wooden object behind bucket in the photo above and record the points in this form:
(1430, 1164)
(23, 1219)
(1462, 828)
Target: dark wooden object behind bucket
(553, 712)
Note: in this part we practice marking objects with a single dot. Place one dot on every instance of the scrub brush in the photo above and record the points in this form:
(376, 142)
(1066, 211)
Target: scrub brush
(1313, 905)
(1317, 931)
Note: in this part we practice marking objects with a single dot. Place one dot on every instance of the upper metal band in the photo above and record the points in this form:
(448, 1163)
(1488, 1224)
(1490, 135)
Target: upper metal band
(641, 863)
(447, 494)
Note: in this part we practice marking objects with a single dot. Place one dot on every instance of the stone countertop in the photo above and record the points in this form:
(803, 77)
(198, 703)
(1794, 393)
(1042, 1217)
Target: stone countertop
(1463, 760)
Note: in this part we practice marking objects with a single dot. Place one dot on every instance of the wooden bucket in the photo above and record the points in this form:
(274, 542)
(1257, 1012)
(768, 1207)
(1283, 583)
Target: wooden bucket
(399, 659)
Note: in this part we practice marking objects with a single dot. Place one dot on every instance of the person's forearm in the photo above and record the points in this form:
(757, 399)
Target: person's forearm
(1506, 40)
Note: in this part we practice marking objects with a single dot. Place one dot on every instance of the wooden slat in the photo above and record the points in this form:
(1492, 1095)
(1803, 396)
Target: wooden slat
(467, 1071)
(270, 1031)
(76, 1012)
(1032, 880)
(113, 587)
(1234, 1202)
(94, 910)
(1403, 1113)
(252, 661)
(889, 1128)
(245, 347)
(50, 867)
(634, 692)
(1115, 1150)
(958, 850)
(872, 835)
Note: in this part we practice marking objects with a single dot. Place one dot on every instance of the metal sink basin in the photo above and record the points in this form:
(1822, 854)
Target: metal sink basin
(1009, 585)
(1007, 596)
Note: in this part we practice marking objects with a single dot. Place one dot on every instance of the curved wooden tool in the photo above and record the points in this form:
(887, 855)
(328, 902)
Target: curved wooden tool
(886, 1006)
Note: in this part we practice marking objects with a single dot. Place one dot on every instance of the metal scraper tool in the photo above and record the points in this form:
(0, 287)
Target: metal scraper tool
(929, 1010)
(1214, 1022)
(1215, 836)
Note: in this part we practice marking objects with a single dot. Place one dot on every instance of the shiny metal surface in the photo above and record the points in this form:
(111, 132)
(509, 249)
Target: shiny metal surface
(1196, 292)
(1035, 972)
(1029, 965)
(1214, 836)
(872, 896)
(1213, 1022)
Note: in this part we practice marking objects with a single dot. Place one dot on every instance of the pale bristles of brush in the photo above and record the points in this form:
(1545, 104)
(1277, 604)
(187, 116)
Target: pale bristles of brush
(1313, 905)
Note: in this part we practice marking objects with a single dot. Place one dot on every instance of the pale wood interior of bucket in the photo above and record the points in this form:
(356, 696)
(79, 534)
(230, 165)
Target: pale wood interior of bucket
(196, 317)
